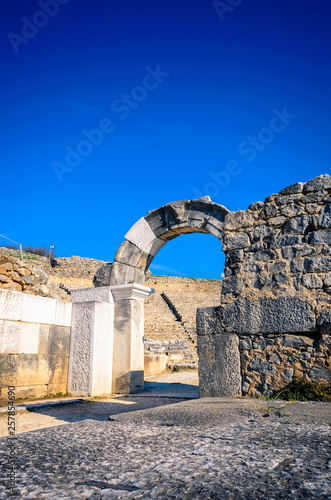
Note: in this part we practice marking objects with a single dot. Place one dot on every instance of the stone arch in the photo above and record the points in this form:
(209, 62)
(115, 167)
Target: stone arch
(150, 233)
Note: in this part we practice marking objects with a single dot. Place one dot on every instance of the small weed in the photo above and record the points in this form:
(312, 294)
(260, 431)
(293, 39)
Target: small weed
(176, 368)
(304, 390)
(297, 390)
(270, 407)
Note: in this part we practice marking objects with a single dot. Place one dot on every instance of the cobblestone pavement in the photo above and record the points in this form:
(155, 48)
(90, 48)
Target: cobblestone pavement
(158, 389)
(202, 448)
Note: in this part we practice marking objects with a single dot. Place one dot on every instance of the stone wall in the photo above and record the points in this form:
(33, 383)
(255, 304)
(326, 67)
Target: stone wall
(68, 267)
(269, 362)
(181, 284)
(36, 276)
(20, 277)
(34, 345)
(71, 273)
(276, 294)
(74, 267)
(281, 246)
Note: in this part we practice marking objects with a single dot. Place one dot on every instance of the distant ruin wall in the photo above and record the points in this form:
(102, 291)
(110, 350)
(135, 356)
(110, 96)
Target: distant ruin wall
(182, 284)
(171, 335)
(276, 294)
(36, 276)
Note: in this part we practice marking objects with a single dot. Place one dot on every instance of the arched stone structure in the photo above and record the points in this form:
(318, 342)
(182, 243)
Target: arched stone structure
(275, 292)
(119, 294)
(147, 236)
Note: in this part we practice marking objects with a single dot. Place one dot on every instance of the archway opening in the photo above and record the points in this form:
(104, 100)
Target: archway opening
(127, 275)
(186, 274)
(194, 255)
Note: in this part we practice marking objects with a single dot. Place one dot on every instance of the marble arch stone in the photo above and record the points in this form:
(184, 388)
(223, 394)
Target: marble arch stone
(150, 233)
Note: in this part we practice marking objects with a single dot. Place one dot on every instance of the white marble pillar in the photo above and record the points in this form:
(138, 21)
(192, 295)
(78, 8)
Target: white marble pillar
(91, 342)
(128, 360)
(107, 340)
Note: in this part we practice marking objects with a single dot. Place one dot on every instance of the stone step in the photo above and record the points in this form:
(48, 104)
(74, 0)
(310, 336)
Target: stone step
(162, 325)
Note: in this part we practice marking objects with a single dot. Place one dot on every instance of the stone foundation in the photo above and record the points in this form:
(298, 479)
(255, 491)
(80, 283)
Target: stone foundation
(34, 345)
(270, 353)
(269, 362)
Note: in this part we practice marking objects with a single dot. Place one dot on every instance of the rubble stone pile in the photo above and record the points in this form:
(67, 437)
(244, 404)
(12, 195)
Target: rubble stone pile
(21, 277)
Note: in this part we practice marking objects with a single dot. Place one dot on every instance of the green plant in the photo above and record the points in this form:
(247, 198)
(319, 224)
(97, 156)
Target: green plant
(176, 368)
(271, 407)
(304, 390)
(297, 390)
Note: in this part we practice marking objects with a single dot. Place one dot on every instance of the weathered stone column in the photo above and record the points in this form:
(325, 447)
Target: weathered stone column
(91, 344)
(128, 360)
(219, 365)
(219, 359)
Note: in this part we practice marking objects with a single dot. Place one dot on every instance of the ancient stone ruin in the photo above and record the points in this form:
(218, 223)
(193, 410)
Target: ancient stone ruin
(20, 277)
(170, 320)
(270, 321)
(274, 318)
(274, 321)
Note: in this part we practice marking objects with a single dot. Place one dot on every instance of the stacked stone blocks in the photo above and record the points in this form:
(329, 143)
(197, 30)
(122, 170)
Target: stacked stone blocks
(276, 286)
(281, 246)
(153, 231)
(277, 282)
(164, 334)
(34, 345)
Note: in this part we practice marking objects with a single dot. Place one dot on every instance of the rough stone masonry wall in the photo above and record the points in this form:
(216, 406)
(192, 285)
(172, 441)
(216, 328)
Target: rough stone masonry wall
(68, 267)
(74, 267)
(37, 277)
(20, 277)
(279, 248)
(71, 273)
(269, 362)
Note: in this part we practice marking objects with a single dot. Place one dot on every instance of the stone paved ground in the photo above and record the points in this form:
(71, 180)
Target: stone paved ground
(179, 385)
(171, 448)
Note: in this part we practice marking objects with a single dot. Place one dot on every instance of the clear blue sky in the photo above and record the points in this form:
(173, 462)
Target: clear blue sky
(222, 80)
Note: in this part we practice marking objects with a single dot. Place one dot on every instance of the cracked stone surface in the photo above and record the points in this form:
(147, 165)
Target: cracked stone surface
(204, 448)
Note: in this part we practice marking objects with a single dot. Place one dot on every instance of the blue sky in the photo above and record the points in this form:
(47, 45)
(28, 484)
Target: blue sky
(173, 93)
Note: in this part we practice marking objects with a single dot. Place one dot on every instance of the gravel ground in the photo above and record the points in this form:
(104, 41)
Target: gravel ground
(156, 447)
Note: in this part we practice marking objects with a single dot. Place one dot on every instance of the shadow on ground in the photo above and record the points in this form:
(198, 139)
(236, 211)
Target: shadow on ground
(101, 410)
(155, 394)
(162, 388)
